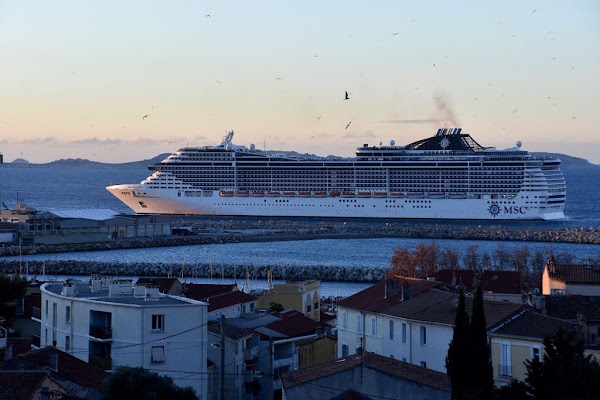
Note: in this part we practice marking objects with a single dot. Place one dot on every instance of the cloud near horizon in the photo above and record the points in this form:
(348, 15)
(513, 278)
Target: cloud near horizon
(367, 134)
(411, 121)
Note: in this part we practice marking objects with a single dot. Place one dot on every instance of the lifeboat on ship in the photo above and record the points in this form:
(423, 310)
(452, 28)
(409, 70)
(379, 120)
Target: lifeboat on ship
(348, 194)
(334, 193)
(273, 194)
(396, 195)
(459, 195)
(289, 194)
(320, 194)
(436, 195)
(305, 194)
(364, 194)
(242, 193)
(258, 193)
(380, 194)
(226, 193)
(415, 195)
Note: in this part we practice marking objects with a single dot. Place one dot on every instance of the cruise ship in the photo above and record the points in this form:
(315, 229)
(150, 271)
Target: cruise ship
(446, 176)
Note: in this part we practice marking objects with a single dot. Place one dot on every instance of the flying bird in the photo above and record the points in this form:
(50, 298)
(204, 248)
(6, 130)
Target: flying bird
(347, 97)
(208, 16)
(319, 117)
(348, 124)
(144, 117)
(534, 11)
(394, 34)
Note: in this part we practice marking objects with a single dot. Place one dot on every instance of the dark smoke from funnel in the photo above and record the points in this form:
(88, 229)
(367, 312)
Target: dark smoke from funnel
(445, 111)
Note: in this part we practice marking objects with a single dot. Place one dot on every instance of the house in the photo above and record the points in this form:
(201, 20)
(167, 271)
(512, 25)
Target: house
(316, 350)
(240, 356)
(366, 376)
(496, 285)
(224, 300)
(74, 376)
(110, 323)
(407, 319)
(578, 279)
(518, 340)
(28, 385)
(165, 285)
(302, 296)
(582, 310)
(279, 333)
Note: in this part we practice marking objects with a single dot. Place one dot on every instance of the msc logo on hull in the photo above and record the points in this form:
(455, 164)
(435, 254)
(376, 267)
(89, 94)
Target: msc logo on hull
(494, 209)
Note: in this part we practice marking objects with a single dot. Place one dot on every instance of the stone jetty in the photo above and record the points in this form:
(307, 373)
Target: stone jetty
(70, 267)
(239, 230)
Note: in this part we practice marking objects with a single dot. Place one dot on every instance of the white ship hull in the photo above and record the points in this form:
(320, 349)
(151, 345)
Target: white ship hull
(157, 201)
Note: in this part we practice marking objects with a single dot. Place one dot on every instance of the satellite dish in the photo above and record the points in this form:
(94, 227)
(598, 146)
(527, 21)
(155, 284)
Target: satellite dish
(252, 146)
(392, 142)
(519, 144)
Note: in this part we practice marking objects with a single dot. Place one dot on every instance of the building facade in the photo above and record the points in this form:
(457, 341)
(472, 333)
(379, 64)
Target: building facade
(576, 279)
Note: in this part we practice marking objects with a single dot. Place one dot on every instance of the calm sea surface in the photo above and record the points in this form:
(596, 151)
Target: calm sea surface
(61, 189)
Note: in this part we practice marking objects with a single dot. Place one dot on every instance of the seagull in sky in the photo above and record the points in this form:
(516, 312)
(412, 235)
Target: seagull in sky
(348, 124)
(319, 117)
(534, 11)
(144, 117)
(394, 34)
(347, 97)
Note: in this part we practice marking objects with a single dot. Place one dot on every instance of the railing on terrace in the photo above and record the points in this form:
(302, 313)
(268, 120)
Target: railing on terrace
(37, 313)
(101, 331)
(36, 341)
(103, 363)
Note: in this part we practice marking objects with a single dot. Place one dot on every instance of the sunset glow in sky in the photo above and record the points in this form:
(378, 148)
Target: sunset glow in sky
(79, 76)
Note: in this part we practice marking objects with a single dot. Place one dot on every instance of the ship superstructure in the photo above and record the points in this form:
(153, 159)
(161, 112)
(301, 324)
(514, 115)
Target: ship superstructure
(448, 175)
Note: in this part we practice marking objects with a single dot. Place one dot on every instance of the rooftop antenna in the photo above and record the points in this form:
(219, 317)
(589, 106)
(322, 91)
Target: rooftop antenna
(210, 270)
(182, 268)
(270, 279)
(247, 282)
(235, 275)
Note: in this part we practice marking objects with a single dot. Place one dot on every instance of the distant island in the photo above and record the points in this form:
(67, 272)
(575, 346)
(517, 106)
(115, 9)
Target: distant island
(567, 161)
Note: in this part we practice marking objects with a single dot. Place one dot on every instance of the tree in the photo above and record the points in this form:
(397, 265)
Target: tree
(472, 258)
(450, 259)
(564, 372)
(425, 259)
(403, 263)
(128, 383)
(482, 374)
(277, 307)
(11, 288)
(502, 257)
(486, 261)
(457, 364)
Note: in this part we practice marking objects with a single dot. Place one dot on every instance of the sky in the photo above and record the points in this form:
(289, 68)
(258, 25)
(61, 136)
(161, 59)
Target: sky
(118, 81)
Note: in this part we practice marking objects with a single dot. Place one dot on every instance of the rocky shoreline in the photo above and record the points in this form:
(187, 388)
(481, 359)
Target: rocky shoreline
(235, 231)
(70, 267)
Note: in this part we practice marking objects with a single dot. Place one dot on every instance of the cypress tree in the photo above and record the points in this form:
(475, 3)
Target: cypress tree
(457, 360)
(481, 378)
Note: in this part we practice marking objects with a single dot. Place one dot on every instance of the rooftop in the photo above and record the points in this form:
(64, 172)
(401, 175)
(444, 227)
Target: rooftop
(164, 284)
(531, 324)
(228, 299)
(574, 273)
(100, 214)
(373, 361)
(83, 291)
(493, 281)
(233, 332)
(20, 385)
(569, 307)
(202, 291)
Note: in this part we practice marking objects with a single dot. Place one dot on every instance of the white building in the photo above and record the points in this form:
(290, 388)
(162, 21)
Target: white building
(407, 319)
(111, 323)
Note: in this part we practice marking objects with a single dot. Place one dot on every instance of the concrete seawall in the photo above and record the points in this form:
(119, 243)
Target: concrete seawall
(69, 267)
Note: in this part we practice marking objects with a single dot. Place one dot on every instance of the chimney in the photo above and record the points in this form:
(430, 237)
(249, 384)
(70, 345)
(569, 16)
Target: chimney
(391, 287)
(540, 301)
(120, 287)
(68, 289)
(405, 291)
(53, 361)
(151, 293)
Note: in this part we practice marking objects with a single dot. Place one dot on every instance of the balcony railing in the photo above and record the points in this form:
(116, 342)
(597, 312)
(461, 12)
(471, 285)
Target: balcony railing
(102, 363)
(251, 376)
(36, 341)
(504, 370)
(101, 331)
(251, 353)
(36, 313)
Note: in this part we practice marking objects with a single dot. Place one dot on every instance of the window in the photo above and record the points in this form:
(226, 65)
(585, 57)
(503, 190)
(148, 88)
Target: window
(505, 360)
(424, 364)
(67, 343)
(46, 334)
(158, 354)
(423, 336)
(391, 330)
(403, 332)
(403, 359)
(68, 315)
(345, 320)
(535, 354)
(358, 323)
(158, 322)
(344, 350)
(373, 326)
(308, 308)
(46, 308)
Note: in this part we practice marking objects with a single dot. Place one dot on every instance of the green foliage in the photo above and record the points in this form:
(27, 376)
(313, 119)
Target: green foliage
(456, 361)
(276, 307)
(11, 288)
(128, 383)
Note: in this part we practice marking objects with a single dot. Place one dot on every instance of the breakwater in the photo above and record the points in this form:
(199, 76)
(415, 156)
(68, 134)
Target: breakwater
(290, 272)
(236, 231)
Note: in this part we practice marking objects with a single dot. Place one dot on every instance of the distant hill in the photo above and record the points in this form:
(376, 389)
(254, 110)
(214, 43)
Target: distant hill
(567, 162)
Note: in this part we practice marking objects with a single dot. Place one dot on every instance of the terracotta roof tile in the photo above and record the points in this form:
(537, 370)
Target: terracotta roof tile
(493, 281)
(569, 307)
(231, 331)
(20, 385)
(202, 291)
(292, 324)
(386, 365)
(228, 299)
(373, 298)
(572, 273)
